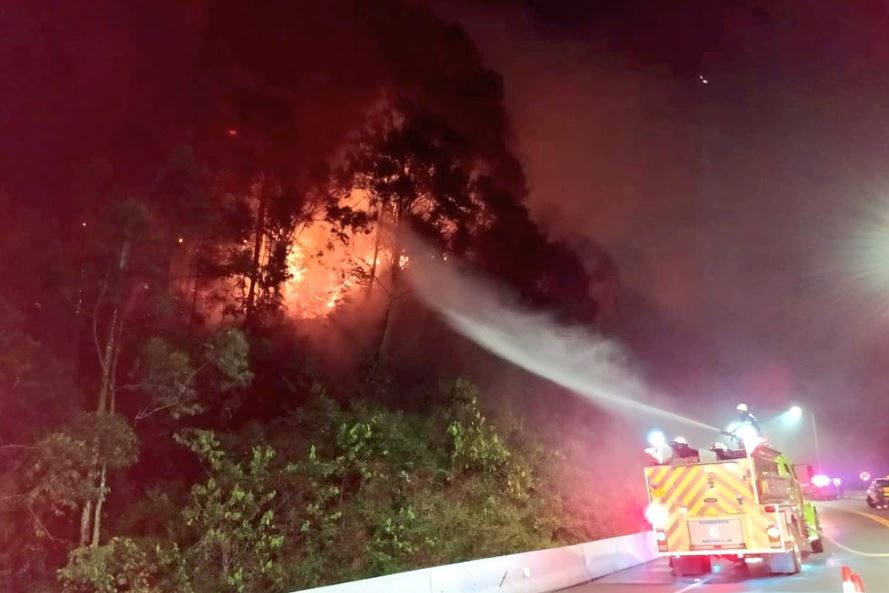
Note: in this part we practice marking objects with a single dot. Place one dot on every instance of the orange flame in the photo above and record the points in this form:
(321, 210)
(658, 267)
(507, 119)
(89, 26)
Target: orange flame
(325, 271)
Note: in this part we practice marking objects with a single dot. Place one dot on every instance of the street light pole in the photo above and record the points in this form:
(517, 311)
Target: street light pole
(817, 446)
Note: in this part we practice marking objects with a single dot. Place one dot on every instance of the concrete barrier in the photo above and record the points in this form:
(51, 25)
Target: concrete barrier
(611, 555)
(528, 572)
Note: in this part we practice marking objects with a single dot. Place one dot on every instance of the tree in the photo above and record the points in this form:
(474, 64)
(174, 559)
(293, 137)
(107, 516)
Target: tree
(241, 252)
(176, 384)
(231, 520)
(118, 263)
(256, 137)
(60, 474)
(124, 565)
(395, 491)
(194, 223)
(116, 267)
(417, 175)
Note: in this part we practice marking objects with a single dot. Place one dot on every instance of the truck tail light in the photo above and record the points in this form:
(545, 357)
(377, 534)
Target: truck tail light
(661, 538)
(657, 514)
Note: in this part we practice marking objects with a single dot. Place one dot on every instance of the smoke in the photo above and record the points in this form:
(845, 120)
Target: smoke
(573, 357)
(726, 207)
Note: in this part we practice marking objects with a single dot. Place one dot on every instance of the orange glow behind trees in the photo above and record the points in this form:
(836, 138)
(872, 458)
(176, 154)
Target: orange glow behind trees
(323, 272)
(326, 272)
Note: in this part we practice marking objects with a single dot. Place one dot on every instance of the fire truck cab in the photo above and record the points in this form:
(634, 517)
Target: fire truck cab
(745, 505)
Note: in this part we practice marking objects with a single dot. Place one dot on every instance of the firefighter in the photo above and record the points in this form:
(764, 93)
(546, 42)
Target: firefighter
(746, 428)
(747, 431)
(746, 417)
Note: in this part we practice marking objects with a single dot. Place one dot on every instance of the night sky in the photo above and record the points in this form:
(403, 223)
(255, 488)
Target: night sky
(730, 207)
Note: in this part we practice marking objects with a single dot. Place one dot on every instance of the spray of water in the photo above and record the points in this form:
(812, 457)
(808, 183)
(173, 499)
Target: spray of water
(572, 357)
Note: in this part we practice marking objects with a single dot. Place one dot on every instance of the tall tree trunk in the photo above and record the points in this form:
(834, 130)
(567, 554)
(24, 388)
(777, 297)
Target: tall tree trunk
(385, 337)
(97, 517)
(85, 516)
(108, 361)
(112, 379)
(108, 357)
(112, 405)
(376, 257)
(257, 250)
(107, 402)
(382, 350)
(110, 388)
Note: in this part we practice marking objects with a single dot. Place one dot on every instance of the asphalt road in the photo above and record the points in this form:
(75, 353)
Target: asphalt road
(857, 531)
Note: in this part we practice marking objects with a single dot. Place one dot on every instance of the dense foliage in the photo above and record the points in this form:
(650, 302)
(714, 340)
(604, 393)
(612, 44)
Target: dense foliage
(165, 423)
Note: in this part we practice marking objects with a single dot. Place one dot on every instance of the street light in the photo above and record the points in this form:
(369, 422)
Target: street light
(793, 416)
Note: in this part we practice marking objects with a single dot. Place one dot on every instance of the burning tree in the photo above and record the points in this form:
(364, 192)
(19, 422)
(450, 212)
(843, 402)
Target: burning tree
(417, 174)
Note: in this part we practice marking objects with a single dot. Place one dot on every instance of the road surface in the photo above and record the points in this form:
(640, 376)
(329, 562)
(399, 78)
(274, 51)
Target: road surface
(856, 529)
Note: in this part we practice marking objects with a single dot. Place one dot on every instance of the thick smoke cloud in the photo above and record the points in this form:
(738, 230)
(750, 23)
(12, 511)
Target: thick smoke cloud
(730, 206)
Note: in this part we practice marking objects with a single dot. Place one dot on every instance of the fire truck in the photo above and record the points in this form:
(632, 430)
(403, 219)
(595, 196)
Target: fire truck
(744, 504)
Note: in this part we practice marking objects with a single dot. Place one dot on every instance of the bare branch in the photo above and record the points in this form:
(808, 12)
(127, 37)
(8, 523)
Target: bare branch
(376, 279)
(42, 527)
(20, 447)
(146, 412)
(21, 496)
(99, 299)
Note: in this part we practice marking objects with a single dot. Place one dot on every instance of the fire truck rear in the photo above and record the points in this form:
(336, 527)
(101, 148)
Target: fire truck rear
(745, 505)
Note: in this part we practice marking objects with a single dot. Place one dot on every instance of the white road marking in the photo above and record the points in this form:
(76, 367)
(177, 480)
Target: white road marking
(881, 520)
(852, 550)
(691, 586)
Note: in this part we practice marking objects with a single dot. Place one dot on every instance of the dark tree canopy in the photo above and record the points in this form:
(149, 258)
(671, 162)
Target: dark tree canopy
(166, 424)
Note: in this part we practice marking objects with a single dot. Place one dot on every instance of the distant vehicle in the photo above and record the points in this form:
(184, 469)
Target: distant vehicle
(878, 494)
(822, 487)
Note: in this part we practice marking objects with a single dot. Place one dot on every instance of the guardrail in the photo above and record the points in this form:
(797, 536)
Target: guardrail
(528, 572)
